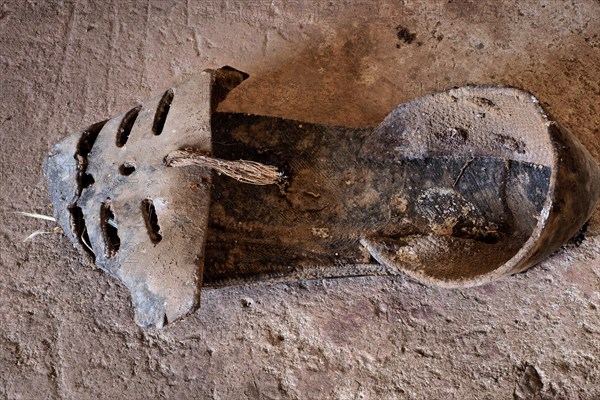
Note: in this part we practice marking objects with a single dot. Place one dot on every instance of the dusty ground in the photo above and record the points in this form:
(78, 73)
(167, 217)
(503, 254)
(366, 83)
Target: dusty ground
(67, 329)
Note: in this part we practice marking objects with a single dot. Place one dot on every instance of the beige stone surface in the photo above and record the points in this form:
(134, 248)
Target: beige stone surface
(67, 329)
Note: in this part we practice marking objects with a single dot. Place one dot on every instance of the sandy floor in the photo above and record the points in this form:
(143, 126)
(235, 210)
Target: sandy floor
(67, 329)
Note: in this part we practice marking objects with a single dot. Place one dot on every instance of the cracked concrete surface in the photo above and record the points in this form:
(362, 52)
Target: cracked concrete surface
(67, 329)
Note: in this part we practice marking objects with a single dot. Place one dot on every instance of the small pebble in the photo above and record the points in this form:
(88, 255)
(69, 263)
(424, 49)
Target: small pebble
(247, 302)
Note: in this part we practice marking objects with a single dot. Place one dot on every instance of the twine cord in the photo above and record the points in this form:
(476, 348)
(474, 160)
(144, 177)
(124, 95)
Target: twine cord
(250, 172)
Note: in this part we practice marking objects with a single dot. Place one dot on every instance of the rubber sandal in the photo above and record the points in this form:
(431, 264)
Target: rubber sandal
(455, 189)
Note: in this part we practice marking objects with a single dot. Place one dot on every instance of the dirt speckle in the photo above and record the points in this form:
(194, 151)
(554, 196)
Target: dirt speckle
(454, 135)
(322, 233)
(511, 143)
(529, 385)
(398, 204)
(404, 35)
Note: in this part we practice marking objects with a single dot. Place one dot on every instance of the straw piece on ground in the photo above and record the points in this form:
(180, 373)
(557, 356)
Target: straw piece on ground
(34, 215)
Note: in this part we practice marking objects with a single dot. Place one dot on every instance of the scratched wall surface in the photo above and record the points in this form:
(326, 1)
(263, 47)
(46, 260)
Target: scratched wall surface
(67, 329)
